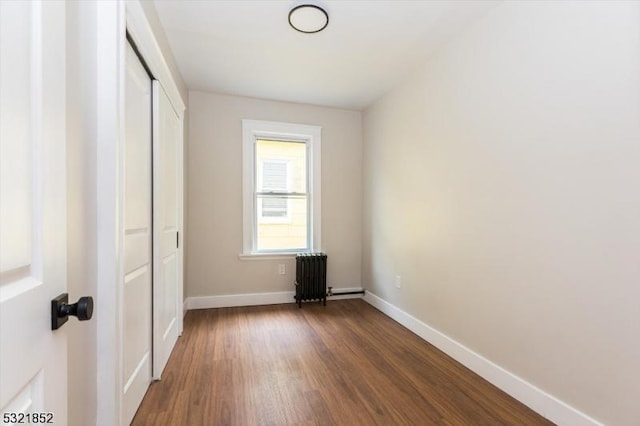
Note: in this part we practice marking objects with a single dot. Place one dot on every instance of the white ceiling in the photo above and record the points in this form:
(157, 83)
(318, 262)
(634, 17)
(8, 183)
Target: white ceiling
(247, 48)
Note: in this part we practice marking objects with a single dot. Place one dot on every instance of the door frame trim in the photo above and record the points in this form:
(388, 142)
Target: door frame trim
(142, 34)
(113, 21)
(110, 28)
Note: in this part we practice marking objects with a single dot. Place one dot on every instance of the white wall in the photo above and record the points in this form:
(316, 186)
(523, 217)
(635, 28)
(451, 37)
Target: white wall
(501, 182)
(215, 195)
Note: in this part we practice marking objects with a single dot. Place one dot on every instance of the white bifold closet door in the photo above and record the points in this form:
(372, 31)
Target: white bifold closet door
(137, 280)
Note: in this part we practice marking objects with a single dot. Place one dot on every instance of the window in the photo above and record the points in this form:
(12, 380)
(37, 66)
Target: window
(281, 186)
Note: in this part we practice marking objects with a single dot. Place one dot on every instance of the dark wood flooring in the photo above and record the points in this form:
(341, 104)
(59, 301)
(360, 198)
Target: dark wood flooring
(343, 364)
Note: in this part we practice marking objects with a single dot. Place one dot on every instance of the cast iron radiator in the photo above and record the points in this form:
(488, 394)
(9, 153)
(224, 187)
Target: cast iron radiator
(311, 277)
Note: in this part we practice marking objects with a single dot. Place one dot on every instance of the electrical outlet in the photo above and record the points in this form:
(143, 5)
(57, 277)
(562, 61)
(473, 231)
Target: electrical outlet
(397, 281)
(282, 269)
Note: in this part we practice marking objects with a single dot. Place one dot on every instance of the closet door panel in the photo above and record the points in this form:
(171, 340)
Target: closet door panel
(167, 209)
(137, 279)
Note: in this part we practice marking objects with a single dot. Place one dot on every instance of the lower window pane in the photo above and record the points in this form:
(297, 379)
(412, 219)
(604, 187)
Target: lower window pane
(281, 223)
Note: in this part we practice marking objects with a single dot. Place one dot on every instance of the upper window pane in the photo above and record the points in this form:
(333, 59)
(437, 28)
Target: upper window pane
(282, 166)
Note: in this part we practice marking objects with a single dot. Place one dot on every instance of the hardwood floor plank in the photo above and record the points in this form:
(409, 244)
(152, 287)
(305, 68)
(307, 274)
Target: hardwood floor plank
(343, 364)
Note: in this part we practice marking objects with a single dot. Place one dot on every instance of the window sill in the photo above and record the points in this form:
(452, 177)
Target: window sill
(267, 256)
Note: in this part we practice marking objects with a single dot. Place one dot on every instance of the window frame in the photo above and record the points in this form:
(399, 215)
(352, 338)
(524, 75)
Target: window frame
(312, 137)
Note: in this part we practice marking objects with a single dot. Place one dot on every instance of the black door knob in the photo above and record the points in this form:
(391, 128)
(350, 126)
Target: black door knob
(61, 309)
(83, 309)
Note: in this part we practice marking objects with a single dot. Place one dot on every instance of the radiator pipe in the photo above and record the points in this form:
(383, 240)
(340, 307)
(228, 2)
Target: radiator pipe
(343, 293)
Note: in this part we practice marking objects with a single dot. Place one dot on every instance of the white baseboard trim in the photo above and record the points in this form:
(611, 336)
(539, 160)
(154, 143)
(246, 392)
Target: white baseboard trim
(185, 307)
(255, 299)
(231, 300)
(538, 400)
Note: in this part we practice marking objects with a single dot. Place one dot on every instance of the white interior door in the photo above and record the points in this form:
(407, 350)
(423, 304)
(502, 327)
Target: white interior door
(33, 358)
(136, 326)
(167, 286)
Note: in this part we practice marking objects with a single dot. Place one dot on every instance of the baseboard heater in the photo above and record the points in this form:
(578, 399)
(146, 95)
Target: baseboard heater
(311, 277)
(343, 293)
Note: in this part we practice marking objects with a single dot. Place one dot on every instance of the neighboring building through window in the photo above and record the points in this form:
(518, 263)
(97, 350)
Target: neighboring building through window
(281, 172)
(273, 207)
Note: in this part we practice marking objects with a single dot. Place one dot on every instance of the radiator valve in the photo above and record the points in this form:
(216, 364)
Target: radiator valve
(330, 293)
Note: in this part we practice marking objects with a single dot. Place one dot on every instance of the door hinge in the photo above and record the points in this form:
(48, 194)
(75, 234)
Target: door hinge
(177, 239)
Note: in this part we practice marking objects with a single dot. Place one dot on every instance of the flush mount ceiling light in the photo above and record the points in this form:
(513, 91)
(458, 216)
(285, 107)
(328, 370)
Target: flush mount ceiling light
(308, 18)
